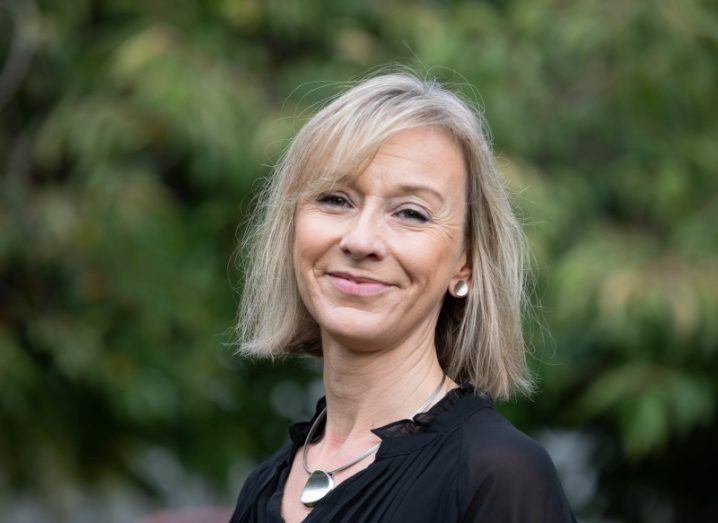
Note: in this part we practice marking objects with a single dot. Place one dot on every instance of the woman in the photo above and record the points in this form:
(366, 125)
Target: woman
(388, 248)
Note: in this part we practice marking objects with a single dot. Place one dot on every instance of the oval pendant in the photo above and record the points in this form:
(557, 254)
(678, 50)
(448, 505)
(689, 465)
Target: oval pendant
(318, 485)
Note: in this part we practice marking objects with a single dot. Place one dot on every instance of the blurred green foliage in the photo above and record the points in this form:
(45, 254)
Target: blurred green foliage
(130, 149)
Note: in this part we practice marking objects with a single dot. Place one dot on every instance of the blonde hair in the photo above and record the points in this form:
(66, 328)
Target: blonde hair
(479, 338)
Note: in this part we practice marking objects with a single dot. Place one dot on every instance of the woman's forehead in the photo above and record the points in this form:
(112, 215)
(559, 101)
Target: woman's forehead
(413, 161)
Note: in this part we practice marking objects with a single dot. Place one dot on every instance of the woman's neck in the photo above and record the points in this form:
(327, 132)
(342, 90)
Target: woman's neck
(368, 389)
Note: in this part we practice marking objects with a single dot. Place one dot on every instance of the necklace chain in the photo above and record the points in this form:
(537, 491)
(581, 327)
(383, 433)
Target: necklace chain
(314, 426)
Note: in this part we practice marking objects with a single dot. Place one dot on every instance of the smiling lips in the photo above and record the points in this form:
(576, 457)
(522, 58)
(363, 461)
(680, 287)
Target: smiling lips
(356, 285)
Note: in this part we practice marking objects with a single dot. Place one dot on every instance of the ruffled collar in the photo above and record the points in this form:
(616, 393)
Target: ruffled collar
(406, 435)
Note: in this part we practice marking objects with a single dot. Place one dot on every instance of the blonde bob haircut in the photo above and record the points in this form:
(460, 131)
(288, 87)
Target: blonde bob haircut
(478, 338)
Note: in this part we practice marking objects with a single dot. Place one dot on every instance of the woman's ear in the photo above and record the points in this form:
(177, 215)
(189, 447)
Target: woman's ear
(460, 283)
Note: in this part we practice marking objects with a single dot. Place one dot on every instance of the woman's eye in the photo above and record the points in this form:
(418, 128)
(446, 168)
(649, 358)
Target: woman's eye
(413, 214)
(335, 200)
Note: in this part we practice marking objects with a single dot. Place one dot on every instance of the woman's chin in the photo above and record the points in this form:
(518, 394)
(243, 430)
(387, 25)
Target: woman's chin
(356, 326)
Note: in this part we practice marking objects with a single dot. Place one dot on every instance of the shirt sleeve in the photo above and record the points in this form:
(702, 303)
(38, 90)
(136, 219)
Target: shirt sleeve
(511, 478)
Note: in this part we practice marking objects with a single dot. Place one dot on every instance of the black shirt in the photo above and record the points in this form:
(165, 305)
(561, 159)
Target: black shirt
(459, 461)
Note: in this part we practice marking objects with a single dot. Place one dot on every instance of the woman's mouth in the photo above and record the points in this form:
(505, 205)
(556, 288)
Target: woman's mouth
(357, 286)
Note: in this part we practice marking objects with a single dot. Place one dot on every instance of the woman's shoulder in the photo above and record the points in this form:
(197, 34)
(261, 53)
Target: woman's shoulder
(269, 466)
(491, 441)
(505, 473)
(256, 481)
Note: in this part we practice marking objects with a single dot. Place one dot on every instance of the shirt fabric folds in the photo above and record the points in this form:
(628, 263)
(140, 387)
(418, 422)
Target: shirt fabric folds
(459, 461)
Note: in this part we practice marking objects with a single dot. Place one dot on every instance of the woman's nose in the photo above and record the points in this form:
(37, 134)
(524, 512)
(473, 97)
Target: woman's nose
(364, 238)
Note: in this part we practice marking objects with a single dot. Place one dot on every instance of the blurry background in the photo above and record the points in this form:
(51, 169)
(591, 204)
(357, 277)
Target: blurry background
(134, 132)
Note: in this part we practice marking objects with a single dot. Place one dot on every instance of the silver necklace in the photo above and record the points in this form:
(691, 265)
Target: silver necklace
(320, 482)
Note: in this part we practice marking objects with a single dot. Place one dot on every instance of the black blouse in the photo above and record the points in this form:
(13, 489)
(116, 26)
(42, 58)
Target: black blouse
(459, 461)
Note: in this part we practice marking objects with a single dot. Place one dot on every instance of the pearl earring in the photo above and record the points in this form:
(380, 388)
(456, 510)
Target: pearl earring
(461, 288)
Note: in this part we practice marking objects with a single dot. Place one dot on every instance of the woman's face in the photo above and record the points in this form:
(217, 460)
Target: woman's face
(374, 258)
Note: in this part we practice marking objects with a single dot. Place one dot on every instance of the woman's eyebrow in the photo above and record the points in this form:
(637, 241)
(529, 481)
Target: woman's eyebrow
(401, 188)
(418, 188)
